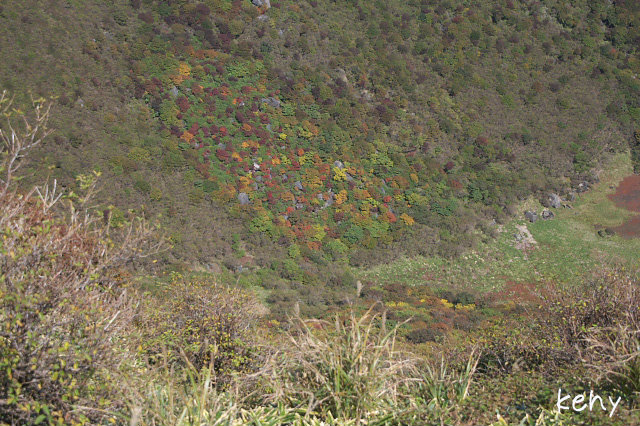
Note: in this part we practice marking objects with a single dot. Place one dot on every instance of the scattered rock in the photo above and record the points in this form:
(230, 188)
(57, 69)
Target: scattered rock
(330, 199)
(342, 75)
(547, 214)
(524, 240)
(606, 232)
(243, 198)
(174, 91)
(271, 101)
(260, 3)
(320, 197)
(571, 197)
(519, 237)
(338, 164)
(583, 186)
(269, 127)
(555, 201)
(531, 216)
(298, 185)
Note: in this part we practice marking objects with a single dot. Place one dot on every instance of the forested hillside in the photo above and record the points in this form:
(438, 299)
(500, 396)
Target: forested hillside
(190, 190)
(288, 137)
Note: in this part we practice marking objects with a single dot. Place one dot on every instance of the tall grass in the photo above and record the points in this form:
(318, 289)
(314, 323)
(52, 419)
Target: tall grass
(195, 402)
(348, 372)
(545, 418)
(436, 398)
(349, 368)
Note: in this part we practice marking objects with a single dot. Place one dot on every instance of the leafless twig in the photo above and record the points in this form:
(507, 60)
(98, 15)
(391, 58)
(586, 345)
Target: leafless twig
(18, 140)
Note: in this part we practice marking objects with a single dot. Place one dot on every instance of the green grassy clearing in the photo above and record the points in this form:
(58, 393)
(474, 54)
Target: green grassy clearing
(568, 247)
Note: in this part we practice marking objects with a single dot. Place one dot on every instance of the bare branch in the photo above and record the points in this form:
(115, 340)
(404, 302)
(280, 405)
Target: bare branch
(17, 141)
(48, 196)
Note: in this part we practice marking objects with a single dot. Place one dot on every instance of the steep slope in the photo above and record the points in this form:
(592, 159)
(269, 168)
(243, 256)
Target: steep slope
(300, 137)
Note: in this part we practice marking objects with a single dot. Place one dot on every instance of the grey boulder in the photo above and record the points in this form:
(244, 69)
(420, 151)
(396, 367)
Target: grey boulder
(547, 214)
(531, 216)
(271, 101)
(243, 198)
(582, 186)
(555, 201)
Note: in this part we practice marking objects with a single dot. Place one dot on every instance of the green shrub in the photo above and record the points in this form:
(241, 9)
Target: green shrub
(169, 112)
(354, 234)
(198, 322)
(142, 185)
(139, 155)
(173, 160)
(335, 248)
(291, 270)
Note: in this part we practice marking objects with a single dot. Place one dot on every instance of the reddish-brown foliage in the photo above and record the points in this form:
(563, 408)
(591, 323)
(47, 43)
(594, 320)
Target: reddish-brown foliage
(627, 196)
(183, 104)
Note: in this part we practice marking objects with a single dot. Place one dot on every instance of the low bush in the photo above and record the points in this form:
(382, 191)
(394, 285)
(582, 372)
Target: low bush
(595, 322)
(63, 309)
(615, 357)
(571, 315)
(190, 321)
(64, 303)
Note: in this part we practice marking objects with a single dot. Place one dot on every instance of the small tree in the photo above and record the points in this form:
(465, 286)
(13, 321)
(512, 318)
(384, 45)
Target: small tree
(20, 133)
(63, 302)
